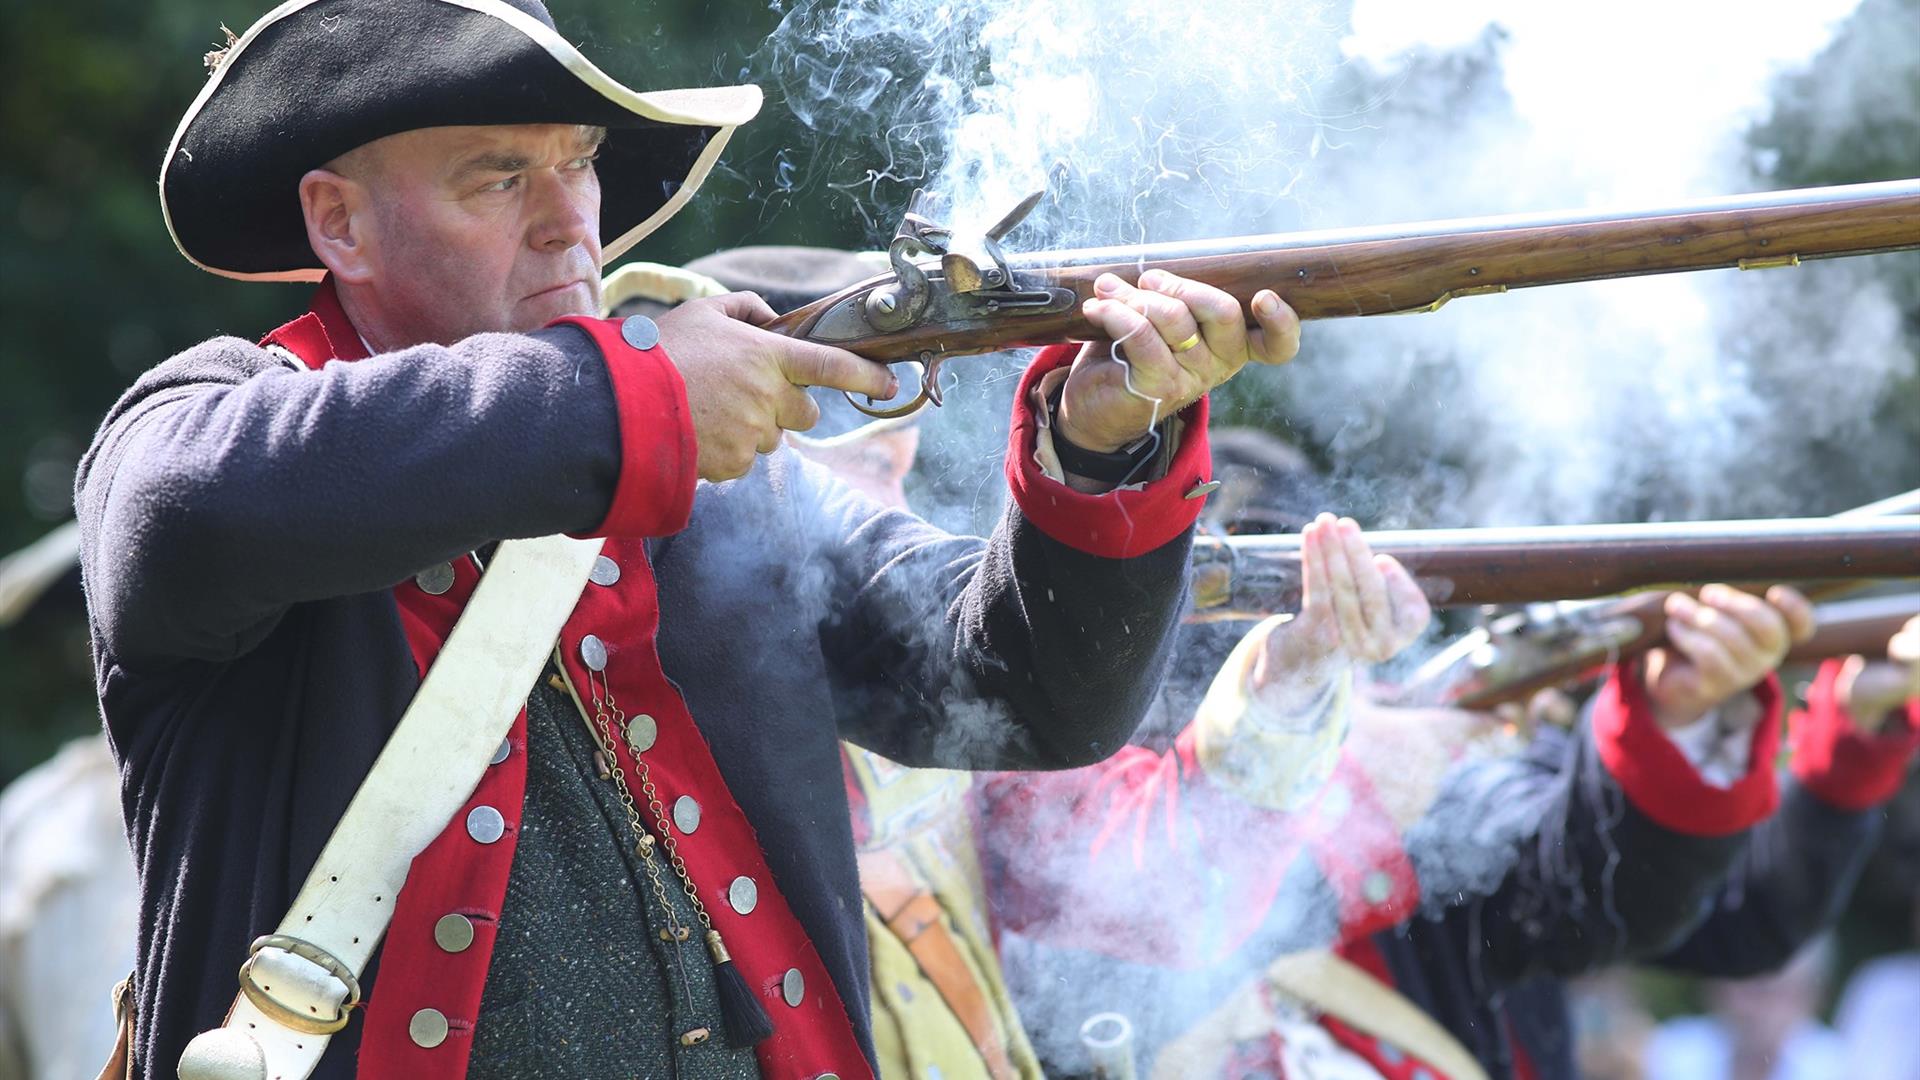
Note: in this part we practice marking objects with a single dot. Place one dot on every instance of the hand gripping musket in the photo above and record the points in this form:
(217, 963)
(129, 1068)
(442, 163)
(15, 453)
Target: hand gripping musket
(1862, 625)
(1516, 653)
(946, 296)
(1551, 641)
(1519, 653)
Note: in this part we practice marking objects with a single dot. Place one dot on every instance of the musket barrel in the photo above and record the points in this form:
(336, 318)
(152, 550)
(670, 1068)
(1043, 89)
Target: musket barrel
(1570, 562)
(1862, 625)
(1382, 270)
(1794, 204)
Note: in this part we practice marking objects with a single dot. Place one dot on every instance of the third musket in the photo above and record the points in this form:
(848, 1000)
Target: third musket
(948, 295)
(1261, 574)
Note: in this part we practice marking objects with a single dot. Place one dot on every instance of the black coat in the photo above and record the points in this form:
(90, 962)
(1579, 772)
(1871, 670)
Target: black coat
(244, 521)
(1597, 882)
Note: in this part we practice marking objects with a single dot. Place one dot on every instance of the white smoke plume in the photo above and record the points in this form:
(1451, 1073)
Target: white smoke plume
(1681, 396)
(1608, 401)
(1600, 402)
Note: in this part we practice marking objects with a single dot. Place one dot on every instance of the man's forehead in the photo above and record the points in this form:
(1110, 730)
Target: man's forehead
(457, 149)
(462, 143)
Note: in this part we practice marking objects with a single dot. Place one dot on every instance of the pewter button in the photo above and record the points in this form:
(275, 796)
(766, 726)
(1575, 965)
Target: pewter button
(686, 813)
(485, 824)
(1203, 489)
(453, 933)
(500, 753)
(435, 580)
(1377, 887)
(793, 987)
(605, 571)
(639, 332)
(743, 894)
(428, 1028)
(642, 733)
(594, 652)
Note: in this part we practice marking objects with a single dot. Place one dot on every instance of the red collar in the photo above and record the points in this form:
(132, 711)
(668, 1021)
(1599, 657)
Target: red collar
(324, 333)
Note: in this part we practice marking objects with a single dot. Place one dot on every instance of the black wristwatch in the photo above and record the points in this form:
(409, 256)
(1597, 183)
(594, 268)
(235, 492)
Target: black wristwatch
(1114, 468)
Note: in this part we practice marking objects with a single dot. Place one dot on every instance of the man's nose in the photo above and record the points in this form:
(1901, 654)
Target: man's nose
(564, 215)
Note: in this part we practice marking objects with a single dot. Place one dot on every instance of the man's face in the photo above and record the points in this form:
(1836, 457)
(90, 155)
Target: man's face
(481, 229)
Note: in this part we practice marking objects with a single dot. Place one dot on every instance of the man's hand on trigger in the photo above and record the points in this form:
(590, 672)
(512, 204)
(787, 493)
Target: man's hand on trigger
(1721, 645)
(1180, 339)
(1355, 606)
(746, 385)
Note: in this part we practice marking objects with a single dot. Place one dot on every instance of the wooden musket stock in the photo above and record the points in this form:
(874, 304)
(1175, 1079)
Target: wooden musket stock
(1861, 626)
(928, 310)
(1553, 642)
(1513, 658)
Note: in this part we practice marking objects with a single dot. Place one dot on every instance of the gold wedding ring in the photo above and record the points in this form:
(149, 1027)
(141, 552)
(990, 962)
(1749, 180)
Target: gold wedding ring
(1188, 344)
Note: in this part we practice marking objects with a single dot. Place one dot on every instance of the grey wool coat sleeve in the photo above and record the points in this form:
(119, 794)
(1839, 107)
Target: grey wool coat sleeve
(243, 520)
(227, 486)
(1021, 652)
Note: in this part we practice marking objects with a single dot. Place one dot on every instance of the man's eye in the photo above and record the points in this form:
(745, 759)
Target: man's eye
(507, 184)
(583, 162)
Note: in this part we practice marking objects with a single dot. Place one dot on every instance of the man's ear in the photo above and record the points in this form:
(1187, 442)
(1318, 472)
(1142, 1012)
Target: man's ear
(340, 224)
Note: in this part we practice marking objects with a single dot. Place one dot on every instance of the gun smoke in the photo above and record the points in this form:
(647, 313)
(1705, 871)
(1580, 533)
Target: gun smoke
(1704, 395)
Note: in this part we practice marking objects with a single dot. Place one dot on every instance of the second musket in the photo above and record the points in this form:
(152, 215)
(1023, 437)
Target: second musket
(948, 295)
(1251, 575)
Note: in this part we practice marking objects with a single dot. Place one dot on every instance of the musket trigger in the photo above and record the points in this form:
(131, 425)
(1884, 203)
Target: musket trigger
(929, 366)
(930, 378)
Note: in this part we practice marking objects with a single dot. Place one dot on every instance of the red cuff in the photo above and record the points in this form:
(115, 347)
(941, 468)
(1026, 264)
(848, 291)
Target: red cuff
(1116, 524)
(1658, 778)
(658, 453)
(1846, 767)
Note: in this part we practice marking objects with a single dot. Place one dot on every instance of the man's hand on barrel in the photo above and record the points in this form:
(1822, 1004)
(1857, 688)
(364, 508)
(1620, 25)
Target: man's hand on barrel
(1356, 607)
(1874, 691)
(746, 385)
(1721, 645)
(1177, 339)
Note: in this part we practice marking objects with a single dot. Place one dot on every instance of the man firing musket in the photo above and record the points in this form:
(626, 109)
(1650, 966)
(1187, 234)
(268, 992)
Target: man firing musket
(608, 836)
(455, 618)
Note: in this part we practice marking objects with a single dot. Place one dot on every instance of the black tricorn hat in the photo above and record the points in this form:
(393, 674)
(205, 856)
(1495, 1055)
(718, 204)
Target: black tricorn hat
(314, 79)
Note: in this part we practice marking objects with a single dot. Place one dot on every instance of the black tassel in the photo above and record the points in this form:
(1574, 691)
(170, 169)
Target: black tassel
(741, 1014)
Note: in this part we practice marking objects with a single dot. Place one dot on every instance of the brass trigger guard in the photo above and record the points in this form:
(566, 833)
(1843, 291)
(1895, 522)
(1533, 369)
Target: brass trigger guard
(929, 392)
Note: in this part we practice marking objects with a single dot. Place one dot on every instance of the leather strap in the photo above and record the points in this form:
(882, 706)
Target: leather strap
(1332, 985)
(426, 772)
(1323, 984)
(914, 915)
(119, 1064)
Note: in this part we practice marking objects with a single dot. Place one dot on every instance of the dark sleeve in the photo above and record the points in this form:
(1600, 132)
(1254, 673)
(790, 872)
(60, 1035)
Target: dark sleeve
(1799, 871)
(1593, 848)
(1037, 648)
(1013, 652)
(228, 484)
(1789, 885)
